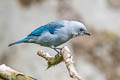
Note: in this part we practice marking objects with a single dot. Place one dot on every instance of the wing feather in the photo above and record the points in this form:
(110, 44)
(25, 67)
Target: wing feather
(51, 28)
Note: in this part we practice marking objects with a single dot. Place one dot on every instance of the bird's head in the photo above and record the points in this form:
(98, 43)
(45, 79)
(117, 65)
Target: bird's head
(79, 29)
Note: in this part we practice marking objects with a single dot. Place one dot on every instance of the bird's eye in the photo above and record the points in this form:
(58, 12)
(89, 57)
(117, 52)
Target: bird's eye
(81, 29)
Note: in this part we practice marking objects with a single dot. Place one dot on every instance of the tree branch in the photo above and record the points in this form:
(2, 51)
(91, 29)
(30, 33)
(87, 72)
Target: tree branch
(6, 73)
(63, 56)
(52, 61)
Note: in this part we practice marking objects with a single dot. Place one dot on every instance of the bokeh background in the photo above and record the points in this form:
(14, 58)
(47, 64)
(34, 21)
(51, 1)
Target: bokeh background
(96, 57)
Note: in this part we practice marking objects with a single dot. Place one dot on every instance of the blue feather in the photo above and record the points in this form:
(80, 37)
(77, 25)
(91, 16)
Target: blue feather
(51, 28)
(17, 42)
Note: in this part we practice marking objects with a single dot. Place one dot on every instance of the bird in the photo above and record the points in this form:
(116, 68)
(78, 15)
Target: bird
(55, 33)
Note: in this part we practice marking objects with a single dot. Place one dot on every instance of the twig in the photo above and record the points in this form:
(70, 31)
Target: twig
(6, 73)
(65, 52)
(63, 56)
(52, 61)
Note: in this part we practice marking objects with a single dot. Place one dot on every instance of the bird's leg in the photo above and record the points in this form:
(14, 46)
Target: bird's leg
(59, 48)
(56, 49)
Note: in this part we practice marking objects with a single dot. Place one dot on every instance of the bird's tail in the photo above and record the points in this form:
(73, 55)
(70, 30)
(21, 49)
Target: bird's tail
(17, 42)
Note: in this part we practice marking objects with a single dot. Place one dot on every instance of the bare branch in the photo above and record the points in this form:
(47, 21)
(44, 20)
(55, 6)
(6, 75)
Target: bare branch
(52, 61)
(63, 56)
(6, 73)
(65, 52)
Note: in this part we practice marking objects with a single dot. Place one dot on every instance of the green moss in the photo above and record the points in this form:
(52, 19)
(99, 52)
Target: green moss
(3, 76)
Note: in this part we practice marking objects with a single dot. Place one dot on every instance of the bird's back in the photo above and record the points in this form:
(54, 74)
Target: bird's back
(50, 27)
(50, 34)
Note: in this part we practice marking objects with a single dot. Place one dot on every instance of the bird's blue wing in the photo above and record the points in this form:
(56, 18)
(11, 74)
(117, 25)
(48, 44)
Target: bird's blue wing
(38, 32)
(54, 26)
(51, 28)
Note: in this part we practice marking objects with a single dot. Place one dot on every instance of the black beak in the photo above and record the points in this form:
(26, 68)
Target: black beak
(87, 33)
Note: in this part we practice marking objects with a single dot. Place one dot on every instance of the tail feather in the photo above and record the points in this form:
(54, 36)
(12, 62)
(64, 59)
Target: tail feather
(17, 42)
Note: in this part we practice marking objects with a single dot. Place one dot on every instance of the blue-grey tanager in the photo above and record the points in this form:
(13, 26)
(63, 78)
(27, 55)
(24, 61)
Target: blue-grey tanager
(55, 33)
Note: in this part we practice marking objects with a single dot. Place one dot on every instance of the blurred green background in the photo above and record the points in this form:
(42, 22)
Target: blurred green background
(96, 57)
